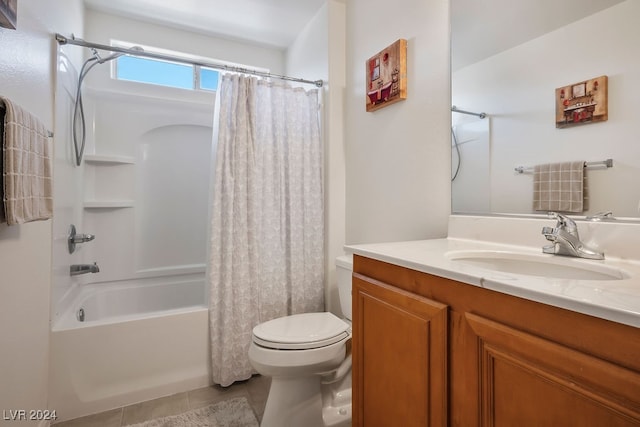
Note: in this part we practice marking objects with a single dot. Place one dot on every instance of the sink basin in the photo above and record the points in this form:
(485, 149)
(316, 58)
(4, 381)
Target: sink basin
(552, 266)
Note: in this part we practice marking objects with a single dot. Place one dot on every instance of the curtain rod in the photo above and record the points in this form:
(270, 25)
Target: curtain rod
(80, 42)
(455, 110)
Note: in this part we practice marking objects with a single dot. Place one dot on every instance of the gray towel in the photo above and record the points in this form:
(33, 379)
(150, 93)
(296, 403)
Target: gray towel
(26, 167)
(560, 187)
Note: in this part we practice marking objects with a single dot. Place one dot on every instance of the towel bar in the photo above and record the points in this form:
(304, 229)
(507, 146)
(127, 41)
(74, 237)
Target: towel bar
(2, 110)
(608, 163)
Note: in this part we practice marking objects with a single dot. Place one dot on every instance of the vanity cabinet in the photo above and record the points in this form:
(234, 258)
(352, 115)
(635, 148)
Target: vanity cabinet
(430, 351)
(398, 384)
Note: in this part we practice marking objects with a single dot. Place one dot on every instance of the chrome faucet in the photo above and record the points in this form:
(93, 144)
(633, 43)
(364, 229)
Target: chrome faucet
(77, 269)
(566, 240)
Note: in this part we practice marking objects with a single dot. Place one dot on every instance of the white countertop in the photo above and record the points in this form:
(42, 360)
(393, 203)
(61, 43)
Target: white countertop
(616, 300)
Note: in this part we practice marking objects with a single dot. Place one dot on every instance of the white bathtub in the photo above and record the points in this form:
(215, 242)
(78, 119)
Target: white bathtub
(139, 340)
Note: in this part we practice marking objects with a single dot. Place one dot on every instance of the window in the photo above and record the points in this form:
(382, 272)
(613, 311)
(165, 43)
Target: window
(153, 71)
(165, 73)
(208, 79)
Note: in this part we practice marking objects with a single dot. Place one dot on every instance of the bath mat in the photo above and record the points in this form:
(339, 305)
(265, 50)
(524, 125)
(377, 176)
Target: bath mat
(234, 412)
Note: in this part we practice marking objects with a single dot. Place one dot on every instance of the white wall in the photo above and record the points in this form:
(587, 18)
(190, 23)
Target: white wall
(517, 88)
(319, 53)
(398, 157)
(27, 56)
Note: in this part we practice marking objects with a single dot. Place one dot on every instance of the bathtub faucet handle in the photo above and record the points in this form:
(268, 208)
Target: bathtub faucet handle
(82, 238)
(75, 238)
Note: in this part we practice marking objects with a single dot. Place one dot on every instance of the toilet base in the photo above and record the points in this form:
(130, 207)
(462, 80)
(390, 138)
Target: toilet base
(336, 397)
(302, 398)
(337, 417)
(305, 401)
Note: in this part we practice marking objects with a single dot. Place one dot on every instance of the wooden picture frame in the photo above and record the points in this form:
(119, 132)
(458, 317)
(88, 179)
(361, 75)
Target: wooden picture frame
(582, 103)
(387, 76)
(8, 13)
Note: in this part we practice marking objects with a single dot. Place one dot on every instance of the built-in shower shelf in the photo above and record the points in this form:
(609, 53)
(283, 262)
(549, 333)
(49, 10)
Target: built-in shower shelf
(108, 204)
(108, 159)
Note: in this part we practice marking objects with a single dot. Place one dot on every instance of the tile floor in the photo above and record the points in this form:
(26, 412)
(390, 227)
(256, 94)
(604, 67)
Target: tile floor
(255, 390)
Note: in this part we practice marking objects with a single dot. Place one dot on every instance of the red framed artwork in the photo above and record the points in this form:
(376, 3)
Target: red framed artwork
(387, 76)
(581, 103)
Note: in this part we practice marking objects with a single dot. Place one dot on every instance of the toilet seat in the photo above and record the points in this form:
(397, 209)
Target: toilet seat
(301, 331)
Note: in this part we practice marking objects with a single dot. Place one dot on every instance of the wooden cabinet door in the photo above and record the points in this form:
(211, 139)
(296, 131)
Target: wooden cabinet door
(399, 357)
(525, 380)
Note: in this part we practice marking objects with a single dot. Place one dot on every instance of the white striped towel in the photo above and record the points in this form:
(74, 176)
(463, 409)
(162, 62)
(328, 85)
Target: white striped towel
(26, 167)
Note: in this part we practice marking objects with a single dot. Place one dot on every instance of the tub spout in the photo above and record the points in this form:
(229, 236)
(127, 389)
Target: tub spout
(77, 269)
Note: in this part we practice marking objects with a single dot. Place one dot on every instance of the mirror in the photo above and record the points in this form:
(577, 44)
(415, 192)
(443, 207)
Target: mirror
(508, 59)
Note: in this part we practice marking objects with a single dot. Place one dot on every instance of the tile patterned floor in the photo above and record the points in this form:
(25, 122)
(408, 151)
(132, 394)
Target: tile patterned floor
(255, 390)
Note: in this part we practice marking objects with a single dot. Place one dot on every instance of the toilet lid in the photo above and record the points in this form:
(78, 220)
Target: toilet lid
(301, 331)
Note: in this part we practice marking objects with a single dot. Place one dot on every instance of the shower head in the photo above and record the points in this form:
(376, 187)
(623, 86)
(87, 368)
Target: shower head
(115, 55)
(110, 57)
(100, 60)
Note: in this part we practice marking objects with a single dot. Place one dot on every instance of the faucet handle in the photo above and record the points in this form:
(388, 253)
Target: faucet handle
(549, 233)
(548, 230)
(564, 222)
(601, 216)
(82, 238)
(75, 238)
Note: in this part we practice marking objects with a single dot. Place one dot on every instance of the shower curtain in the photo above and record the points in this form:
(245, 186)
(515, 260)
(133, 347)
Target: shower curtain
(266, 258)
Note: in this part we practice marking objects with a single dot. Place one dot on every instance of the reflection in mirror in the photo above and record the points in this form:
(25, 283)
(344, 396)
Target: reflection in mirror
(508, 59)
(471, 182)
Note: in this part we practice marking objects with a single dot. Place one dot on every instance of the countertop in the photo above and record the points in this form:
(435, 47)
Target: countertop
(616, 300)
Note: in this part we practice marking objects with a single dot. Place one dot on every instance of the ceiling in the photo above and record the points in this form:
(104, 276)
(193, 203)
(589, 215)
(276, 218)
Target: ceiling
(480, 28)
(273, 23)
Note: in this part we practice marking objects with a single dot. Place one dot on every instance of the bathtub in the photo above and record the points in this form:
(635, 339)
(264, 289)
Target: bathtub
(139, 340)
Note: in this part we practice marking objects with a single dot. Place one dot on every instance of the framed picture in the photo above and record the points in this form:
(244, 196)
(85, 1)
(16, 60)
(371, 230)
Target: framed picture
(387, 76)
(8, 13)
(579, 90)
(582, 103)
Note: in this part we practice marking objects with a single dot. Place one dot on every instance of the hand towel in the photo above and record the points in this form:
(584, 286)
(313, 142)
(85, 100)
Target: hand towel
(26, 167)
(559, 187)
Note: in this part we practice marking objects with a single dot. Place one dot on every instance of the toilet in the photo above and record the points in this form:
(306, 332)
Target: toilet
(306, 356)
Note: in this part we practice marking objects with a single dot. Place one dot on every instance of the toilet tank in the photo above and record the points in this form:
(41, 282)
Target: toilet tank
(344, 269)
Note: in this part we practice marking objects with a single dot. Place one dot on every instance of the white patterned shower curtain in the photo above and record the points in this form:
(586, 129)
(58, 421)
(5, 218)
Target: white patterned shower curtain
(266, 258)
